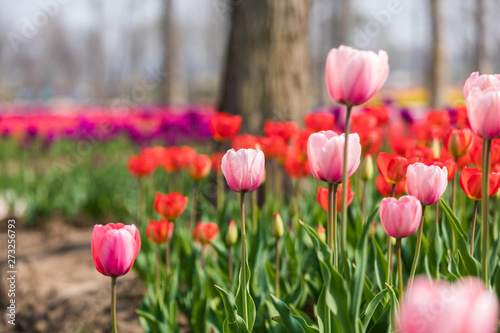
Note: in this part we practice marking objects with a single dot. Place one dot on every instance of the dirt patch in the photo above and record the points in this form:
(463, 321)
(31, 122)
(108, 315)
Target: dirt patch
(58, 289)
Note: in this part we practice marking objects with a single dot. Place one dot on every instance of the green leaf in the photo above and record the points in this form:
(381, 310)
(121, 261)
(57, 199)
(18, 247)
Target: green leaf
(380, 265)
(370, 309)
(243, 287)
(233, 322)
(293, 324)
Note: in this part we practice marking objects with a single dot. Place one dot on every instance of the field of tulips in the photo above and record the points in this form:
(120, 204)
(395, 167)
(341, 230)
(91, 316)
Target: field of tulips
(369, 218)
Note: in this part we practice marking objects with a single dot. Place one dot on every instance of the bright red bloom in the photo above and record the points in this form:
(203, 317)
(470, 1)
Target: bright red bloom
(285, 129)
(385, 188)
(182, 157)
(140, 166)
(294, 166)
(158, 231)
(470, 182)
(156, 154)
(392, 167)
(476, 152)
(274, 146)
(401, 146)
(200, 167)
(170, 206)
(322, 197)
(224, 126)
(458, 141)
(168, 160)
(370, 140)
(379, 111)
(316, 122)
(216, 162)
(205, 233)
(245, 141)
(363, 121)
(419, 154)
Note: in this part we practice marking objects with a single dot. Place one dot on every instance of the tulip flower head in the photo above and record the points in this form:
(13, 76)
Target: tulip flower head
(466, 306)
(284, 129)
(392, 167)
(115, 247)
(385, 188)
(243, 169)
(159, 231)
(216, 162)
(231, 234)
(224, 126)
(322, 197)
(400, 217)
(426, 183)
(205, 233)
(170, 206)
(140, 166)
(325, 153)
(482, 94)
(354, 76)
(470, 182)
(319, 121)
(199, 168)
(458, 141)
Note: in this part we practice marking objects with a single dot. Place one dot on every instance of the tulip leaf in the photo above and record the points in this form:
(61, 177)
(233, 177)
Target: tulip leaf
(372, 306)
(233, 322)
(243, 287)
(380, 265)
(291, 322)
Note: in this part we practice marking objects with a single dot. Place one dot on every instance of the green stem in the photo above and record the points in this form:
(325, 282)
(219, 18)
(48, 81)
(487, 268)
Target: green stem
(484, 209)
(167, 260)
(254, 213)
(363, 202)
(417, 248)
(277, 268)
(194, 206)
(389, 247)
(230, 263)
(220, 193)
(473, 228)
(454, 189)
(400, 267)
(343, 243)
(113, 304)
(158, 277)
(332, 224)
(243, 258)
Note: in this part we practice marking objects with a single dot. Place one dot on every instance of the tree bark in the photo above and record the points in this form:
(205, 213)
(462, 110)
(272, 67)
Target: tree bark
(167, 33)
(267, 69)
(437, 75)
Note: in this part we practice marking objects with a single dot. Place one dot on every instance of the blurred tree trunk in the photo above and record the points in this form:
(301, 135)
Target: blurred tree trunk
(267, 69)
(168, 60)
(437, 75)
(481, 63)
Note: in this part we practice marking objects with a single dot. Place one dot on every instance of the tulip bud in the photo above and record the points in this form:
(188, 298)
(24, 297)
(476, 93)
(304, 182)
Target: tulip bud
(231, 234)
(366, 168)
(322, 233)
(277, 229)
(436, 148)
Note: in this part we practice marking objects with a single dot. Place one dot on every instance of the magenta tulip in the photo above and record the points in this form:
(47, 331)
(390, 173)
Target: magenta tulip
(243, 169)
(354, 76)
(115, 247)
(466, 306)
(482, 94)
(426, 182)
(400, 218)
(325, 153)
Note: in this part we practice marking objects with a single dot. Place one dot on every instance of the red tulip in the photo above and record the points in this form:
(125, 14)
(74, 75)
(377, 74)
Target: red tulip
(370, 140)
(183, 156)
(392, 167)
(245, 141)
(402, 146)
(216, 162)
(322, 197)
(470, 182)
(285, 129)
(224, 126)
(294, 167)
(159, 231)
(419, 154)
(458, 141)
(205, 233)
(362, 121)
(274, 147)
(200, 167)
(379, 111)
(115, 247)
(170, 206)
(140, 166)
(385, 188)
(156, 154)
(316, 122)
(476, 153)
(168, 161)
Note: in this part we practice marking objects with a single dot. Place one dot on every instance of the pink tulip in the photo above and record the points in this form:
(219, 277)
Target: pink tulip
(466, 306)
(243, 169)
(482, 94)
(426, 182)
(400, 218)
(354, 76)
(325, 153)
(115, 247)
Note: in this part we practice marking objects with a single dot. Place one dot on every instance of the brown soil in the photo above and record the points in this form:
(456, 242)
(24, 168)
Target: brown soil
(58, 289)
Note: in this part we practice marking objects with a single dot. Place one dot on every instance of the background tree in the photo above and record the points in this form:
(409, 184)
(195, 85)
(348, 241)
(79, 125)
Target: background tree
(437, 77)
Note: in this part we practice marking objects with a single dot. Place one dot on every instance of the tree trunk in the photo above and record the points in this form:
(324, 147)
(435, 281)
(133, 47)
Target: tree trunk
(481, 63)
(267, 69)
(167, 33)
(437, 66)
